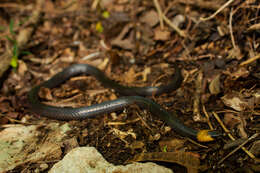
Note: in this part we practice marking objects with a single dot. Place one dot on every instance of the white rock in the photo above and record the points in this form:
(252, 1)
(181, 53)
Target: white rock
(89, 160)
(20, 144)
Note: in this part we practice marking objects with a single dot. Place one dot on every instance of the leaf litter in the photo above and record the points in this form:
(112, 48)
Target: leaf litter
(219, 50)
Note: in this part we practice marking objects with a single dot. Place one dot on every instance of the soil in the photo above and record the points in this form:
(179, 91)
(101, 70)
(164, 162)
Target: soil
(219, 58)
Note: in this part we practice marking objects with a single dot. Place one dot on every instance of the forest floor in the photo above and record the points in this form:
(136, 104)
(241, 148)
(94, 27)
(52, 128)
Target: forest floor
(136, 43)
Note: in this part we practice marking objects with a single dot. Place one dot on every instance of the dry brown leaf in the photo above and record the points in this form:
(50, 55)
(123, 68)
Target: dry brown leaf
(234, 101)
(49, 6)
(241, 129)
(121, 41)
(171, 145)
(45, 93)
(242, 101)
(22, 68)
(254, 27)
(122, 134)
(230, 120)
(161, 34)
(233, 121)
(187, 159)
(125, 44)
(150, 18)
(235, 54)
(106, 3)
(137, 145)
(129, 76)
(241, 72)
(68, 55)
(255, 149)
(145, 73)
(214, 86)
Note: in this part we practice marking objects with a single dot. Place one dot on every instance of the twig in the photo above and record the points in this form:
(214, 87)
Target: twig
(232, 152)
(12, 5)
(207, 116)
(231, 137)
(218, 11)
(232, 144)
(231, 30)
(162, 16)
(91, 56)
(179, 31)
(159, 11)
(210, 5)
(196, 143)
(221, 123)
(196, 108)
(250, 60)
(141, 118)
(254, 27)
(123, 123)
(95, 4)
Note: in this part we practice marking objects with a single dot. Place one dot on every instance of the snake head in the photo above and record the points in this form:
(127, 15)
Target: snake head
(207, 135)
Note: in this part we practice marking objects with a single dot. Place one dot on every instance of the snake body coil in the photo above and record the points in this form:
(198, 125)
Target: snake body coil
(133, 96)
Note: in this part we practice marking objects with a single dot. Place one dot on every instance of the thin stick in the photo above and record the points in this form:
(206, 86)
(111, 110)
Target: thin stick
(197, 95)
(159, 11)
(231, 30)
(95, 4)
(232, 152)
(179, 31)
(218, 11)
(231, 137)
(196, 143)
(250, 60)
(207, 116)
(163, 17)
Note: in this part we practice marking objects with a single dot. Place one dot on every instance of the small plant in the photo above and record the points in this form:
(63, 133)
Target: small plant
(15, 53)
(99, 27)
(15, 49)
(165, 148)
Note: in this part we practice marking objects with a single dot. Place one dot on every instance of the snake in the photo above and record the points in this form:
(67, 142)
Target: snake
(130, 96)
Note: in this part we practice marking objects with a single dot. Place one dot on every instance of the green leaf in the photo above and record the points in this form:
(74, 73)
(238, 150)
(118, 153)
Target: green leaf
(10, 39)
(14, 61)
(26, 53)
(11, 27)
(99, 27)
(15, 50)
(105, 14)
(165, 148)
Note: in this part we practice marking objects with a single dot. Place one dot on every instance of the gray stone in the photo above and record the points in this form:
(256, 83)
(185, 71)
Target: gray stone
(89, 160)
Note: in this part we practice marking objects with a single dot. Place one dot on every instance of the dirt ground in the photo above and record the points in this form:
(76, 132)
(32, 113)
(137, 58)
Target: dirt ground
(136, 43)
